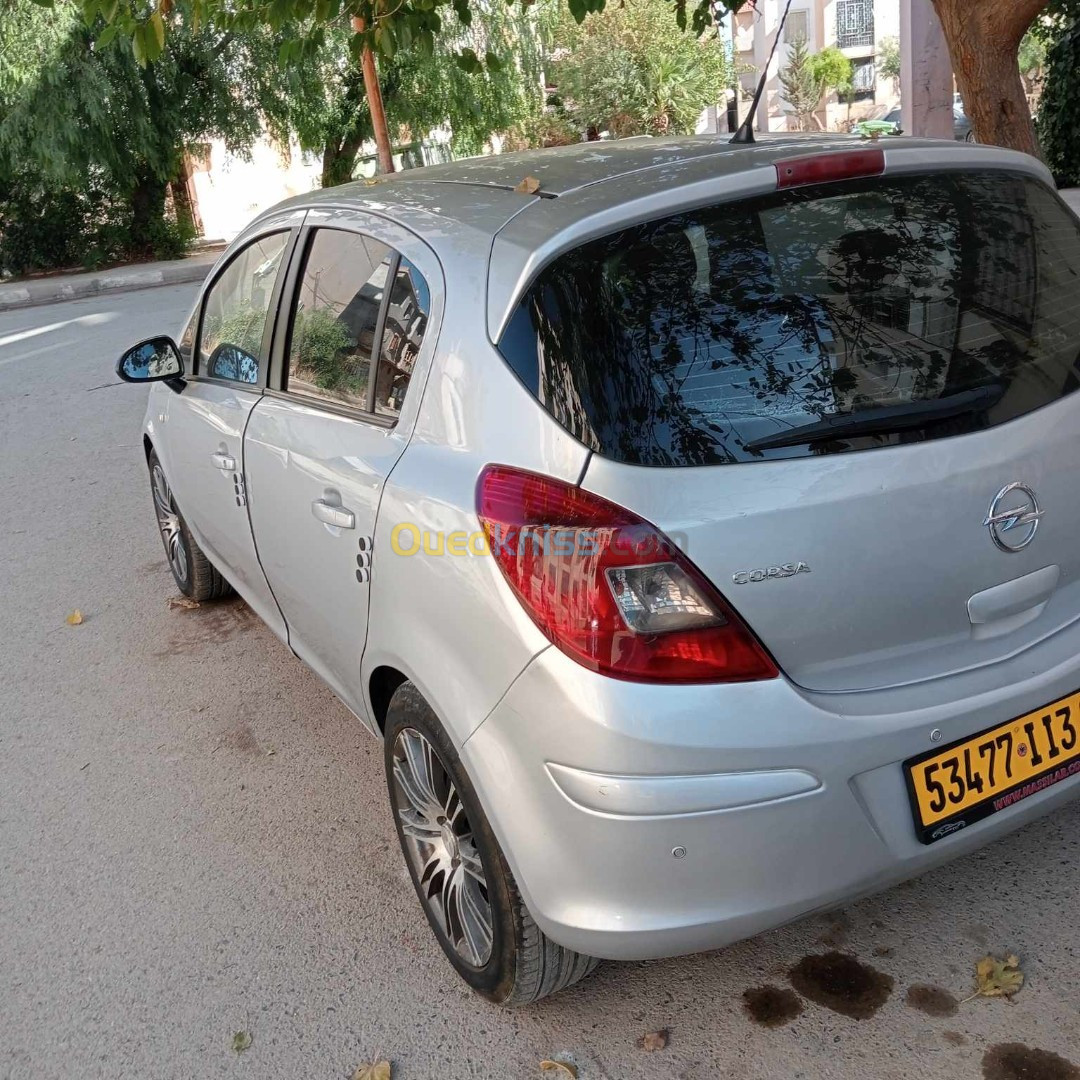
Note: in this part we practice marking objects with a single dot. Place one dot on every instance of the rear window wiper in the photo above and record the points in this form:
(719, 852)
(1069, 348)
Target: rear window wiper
(886, 420)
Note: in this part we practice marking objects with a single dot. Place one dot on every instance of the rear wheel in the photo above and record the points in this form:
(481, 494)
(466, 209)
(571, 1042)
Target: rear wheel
(463, 881)
(191, 569)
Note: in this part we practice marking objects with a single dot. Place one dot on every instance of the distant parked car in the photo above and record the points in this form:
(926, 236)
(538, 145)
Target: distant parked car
(962, 131)
(694, 524)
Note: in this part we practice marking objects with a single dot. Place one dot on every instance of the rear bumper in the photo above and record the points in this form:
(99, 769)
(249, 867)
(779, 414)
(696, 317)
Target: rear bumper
(644, 821)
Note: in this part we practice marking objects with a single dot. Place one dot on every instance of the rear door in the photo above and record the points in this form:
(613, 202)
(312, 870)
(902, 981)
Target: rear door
(717, 361)
(204, 425)
(359, 322)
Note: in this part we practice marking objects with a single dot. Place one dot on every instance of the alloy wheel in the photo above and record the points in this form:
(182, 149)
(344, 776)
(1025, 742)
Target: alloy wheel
(169, 524)
(439, 842)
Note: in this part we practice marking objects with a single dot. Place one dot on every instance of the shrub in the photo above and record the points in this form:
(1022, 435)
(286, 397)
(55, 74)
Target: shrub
(1059, 107)
(322, 345)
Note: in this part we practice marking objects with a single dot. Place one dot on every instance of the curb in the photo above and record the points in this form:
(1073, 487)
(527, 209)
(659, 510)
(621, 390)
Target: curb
(57, 290)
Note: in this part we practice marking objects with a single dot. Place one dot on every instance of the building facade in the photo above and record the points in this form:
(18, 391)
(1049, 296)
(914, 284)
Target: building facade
(856, 27)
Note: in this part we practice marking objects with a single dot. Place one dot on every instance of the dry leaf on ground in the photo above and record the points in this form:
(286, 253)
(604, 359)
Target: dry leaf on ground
(655, 1040)
(529, 186)
(75, 618)
(184, 602)
(241, 1040)
(380, 1070)
(998, 978)
(560, 1068)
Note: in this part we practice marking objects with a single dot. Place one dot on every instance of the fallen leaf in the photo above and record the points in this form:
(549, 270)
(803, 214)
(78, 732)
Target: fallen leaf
(271, 751)
(529, 186)
(655, 1040)
(563, 1068)
(379, 1071)
(75, 618)
(184, 602)
(998, 978)
(241, 1040)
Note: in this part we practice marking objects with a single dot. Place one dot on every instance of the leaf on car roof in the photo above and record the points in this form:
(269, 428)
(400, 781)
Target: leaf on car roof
(998, 978)
(380, 1070)
(560, 1068)
(529, 186)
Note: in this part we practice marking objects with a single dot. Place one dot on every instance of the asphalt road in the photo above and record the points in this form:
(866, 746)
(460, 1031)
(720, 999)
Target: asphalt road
(195, 840)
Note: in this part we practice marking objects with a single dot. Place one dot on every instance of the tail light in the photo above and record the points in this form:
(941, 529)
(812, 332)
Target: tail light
(608, 588)
(835, 165)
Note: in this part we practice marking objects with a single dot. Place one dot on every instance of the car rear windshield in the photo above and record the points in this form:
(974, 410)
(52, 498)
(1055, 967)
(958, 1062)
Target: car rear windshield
(917, 306)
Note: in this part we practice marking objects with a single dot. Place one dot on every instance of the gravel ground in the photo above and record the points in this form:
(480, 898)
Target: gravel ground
(195, 841)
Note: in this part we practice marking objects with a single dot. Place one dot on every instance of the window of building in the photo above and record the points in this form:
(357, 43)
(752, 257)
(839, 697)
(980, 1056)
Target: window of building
(864, 79)
(797, 27)
(854, 23)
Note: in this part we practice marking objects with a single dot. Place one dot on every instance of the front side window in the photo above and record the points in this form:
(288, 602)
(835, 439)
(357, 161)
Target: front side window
(335, 317)
(824, 319)
(235, 312)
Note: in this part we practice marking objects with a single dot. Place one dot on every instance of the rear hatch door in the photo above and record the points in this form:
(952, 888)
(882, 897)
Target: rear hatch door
(821, 393)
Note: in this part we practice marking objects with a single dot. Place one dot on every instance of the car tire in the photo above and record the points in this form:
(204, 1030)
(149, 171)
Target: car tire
(970, 136)
(194, 574)
(463, 881)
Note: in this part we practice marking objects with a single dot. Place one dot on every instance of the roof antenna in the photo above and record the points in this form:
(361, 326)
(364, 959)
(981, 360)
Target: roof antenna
(745, 134)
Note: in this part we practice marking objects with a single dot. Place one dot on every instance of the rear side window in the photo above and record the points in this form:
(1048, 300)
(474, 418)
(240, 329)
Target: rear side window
(357, 299)
(403, 334)
(336, 315)
(920, 307)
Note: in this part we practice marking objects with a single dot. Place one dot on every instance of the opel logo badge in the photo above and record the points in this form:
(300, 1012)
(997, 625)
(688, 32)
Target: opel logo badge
(1014, 517)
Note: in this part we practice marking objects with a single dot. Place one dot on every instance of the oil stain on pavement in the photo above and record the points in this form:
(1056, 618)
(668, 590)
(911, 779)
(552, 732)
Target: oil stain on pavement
(1015, 1061)
(839, 982)
(772, 1006)
(932, 1000)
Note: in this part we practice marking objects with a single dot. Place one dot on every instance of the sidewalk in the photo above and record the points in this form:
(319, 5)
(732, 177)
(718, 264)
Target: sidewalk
(60, 287)
(1072, 196)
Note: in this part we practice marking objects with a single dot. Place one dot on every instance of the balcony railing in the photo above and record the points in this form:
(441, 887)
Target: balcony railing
(854, 23)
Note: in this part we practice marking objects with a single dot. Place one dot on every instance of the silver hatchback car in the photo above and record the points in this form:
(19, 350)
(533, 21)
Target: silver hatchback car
(695, 524)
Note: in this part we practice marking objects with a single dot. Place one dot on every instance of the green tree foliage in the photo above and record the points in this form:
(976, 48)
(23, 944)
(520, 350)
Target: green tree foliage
(390, 27)
(832, 70)
(630, 70)
(801, 89)
(1059, 108)
(888, 58)
(321, 94)
(79, 117)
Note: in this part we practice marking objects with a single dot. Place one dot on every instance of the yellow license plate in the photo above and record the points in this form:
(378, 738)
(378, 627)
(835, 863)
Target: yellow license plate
(975, 777)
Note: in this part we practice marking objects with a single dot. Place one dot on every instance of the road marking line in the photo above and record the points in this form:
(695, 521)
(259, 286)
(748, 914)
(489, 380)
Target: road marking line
(83, 320)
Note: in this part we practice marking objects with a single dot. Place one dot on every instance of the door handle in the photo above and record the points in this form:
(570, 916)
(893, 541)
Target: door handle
(223, 462)
(333, 515)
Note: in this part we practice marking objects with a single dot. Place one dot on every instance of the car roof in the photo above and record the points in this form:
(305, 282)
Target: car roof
(470, 210)
(479, 192)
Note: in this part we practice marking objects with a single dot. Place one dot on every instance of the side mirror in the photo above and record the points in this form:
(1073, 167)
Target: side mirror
(155, 360)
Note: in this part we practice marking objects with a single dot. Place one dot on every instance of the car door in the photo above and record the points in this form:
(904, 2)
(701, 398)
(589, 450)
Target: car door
(204, 425)
(358, 332)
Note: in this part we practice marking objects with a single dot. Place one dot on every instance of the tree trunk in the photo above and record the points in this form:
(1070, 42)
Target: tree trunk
(375, 104)
(983, 38)
(147, 213)
(339, 161)
(187, 209)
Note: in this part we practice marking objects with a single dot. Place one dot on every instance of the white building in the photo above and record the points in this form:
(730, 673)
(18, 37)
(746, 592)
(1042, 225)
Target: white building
(856, 27)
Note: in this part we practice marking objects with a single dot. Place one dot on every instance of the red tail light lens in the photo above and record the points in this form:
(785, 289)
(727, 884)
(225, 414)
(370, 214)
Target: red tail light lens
(608, 588)
(824, 168)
